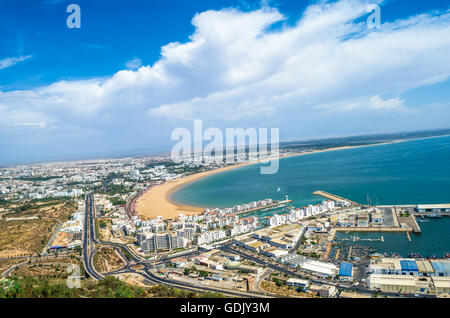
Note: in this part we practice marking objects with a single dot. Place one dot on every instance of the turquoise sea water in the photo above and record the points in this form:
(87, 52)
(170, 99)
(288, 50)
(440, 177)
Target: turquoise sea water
(434, 240)
(411, 172)
(415, 171)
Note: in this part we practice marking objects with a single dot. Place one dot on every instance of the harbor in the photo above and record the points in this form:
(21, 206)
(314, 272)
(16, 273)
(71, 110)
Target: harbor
(432, 241)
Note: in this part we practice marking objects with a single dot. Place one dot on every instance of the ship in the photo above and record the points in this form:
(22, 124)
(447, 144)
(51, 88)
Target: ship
(434, 216)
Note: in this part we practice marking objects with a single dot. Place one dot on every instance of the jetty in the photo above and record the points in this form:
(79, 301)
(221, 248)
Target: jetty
(369, 229)
(409, 221)
(408, 236)
(334, 197)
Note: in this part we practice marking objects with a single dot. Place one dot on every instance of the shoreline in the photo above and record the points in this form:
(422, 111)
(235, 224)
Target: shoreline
(156, 201)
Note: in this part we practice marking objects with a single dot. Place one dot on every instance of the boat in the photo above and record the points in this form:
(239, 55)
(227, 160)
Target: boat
(434, 216)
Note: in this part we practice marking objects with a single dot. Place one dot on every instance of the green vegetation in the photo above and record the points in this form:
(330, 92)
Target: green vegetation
(113, 189)
(201, 273)
(34, 179)
(313, 255)
(278, 282)
(117, 201)
(303, 240)
(126, 253)
(110, 287)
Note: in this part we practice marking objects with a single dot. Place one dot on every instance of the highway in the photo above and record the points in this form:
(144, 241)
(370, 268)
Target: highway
(150, 278)
(89, 241)
(344, 286)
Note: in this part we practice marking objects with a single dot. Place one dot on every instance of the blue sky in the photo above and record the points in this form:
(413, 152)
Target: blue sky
(138, 69)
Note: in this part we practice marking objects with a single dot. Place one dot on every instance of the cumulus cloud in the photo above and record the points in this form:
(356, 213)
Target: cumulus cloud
(133, 64)
(11, 61)
(238, 65)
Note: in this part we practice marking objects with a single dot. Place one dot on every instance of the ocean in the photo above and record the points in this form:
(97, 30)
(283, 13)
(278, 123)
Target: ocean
(410, 172)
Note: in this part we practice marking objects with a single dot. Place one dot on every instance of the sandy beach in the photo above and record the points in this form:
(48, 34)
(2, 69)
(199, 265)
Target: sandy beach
(156, 200)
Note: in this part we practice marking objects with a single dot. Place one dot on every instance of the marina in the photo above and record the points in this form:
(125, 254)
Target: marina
(432, 241)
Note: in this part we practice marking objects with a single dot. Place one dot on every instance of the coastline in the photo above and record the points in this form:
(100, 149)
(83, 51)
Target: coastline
(156, 200)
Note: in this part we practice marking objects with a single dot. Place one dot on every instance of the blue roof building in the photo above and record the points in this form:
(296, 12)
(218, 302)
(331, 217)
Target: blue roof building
(409, 266)
(441, 268)
(346, 271)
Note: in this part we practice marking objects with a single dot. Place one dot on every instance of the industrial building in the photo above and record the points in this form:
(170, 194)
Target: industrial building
(397, 266)
(294, 282)
(410, 284)
(316, 267)
(284, 236)
(400, 283)
(436, 208)
(346, 271)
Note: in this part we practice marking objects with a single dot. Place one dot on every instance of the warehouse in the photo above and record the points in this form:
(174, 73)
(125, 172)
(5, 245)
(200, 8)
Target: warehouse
(442, 285)
(441, 268)
(392, 283)
(436, 208)
(346, 271)
(322, 268)
(425, 268)
(302, 283)
(409, 267)
(400, 283)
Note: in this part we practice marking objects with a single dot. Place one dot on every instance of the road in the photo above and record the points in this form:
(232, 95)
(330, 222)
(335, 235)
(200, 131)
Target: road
(342, 285)
(47, 246)
(89, 251)
(150, 278)
(88, 239)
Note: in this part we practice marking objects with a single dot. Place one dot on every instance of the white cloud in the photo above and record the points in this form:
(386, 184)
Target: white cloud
(11, 61)
(235, 66)
(133, 64)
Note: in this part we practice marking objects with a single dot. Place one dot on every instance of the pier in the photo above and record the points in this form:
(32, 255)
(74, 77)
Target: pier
(334, 197)
(408, 236)
(369, 229)
(410, 221)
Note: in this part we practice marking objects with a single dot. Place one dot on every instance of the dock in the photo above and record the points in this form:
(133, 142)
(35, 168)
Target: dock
(368, 229)
(334, 197)
(408, 236)
(409, 221)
